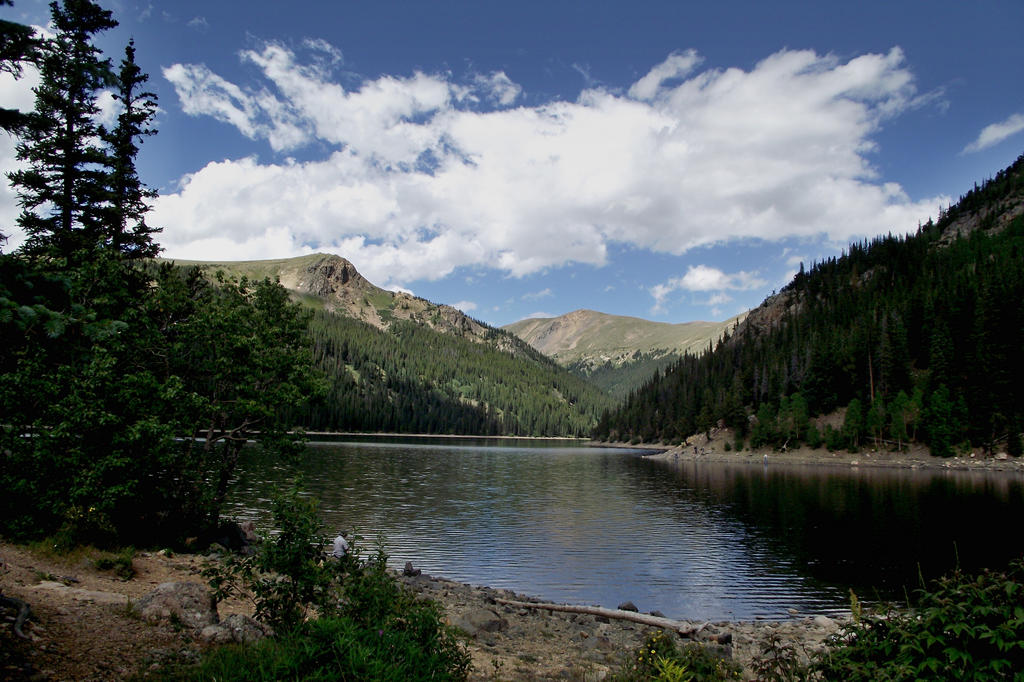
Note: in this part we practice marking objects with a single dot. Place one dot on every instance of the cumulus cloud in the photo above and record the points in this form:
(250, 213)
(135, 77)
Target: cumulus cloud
(702, 278)
(995, 133)
(420, 178)
(465, 306)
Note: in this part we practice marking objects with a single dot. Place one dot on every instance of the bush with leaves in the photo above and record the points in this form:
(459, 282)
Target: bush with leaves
(661, 660)
(339, 619)
(963, 628)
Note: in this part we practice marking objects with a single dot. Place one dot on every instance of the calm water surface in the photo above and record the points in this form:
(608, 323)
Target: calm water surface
(702, 541)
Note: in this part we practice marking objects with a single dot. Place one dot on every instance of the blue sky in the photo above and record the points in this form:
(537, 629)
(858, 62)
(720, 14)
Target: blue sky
(668, 160)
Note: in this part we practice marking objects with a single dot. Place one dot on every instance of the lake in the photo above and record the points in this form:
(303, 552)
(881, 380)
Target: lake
(700, 541)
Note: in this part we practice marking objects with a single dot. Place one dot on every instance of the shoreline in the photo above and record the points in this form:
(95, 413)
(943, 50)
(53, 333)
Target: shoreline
(83, 628)
(700, 449)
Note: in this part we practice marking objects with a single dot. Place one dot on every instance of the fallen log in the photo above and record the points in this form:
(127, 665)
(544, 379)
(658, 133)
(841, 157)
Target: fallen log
(23, 613)
(684, 629)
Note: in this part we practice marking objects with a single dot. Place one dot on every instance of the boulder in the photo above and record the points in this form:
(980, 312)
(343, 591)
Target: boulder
(475, 621)
(236, 628)
(190, 604)
(628, 606)
(826, 623)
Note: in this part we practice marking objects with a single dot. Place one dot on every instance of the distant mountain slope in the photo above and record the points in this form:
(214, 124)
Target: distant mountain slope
(597, 338)
(400, 363)
(918, 337)
(615, 352)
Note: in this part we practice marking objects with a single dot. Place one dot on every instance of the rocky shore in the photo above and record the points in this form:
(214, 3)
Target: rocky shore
(521, 643)
(719, 448)
(88, 624)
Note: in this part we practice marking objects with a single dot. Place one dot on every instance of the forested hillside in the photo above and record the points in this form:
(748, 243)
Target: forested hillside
(398, 363)
(411, 378)
(917, 337)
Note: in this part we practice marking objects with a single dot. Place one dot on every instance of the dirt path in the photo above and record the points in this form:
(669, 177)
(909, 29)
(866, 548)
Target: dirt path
(83, 626)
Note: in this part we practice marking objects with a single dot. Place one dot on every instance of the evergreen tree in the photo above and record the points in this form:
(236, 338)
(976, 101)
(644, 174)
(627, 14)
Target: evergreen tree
(18, 46)
(66, 162)
(939, 421)
(127, 228)
(876, 420)
(853, 424)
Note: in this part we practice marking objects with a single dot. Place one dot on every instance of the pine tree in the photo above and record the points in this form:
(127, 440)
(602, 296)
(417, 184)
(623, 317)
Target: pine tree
(127, 228)
(66, 161)
(18, 46)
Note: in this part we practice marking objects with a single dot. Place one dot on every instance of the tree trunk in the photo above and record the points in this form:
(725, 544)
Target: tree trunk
(684, 628)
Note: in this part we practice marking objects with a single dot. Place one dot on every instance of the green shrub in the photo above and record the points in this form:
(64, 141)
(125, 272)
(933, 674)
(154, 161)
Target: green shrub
(658, 658)
(121, 563)
(963, 628)
(412, 646)
(338, 619)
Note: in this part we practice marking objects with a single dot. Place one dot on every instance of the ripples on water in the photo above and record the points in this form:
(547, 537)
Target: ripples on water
(602, 526)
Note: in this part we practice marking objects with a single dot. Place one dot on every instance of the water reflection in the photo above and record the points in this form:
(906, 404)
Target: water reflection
(876, 530)
(602, 526)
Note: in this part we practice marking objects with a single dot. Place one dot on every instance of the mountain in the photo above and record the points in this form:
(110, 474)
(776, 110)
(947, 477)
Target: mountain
(907, 338)
(329, 282)
(398, 363)
(597, 338)
(616, 353)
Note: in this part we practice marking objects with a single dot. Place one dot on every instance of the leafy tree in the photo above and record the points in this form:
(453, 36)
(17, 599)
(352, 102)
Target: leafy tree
(238, 352)
(875, 420)
(899, 418)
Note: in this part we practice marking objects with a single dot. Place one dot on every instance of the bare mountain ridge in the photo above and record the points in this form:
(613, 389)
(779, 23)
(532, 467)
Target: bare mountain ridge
(593, 338)
(333, 283)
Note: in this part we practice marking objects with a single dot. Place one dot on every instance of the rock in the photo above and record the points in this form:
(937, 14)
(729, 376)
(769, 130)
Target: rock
(191, 604)
(657, 614)
(724, 638)
(826, 623)
(236, 628)
(480, 620)
(249, 533)
(599, 642)
(1002, 456)
(409, 571)
(628, 606)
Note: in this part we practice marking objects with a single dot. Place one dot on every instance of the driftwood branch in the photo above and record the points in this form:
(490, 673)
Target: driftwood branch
(684, 629)
(23, 613)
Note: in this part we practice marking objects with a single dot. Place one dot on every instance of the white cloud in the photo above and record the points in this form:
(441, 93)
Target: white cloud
(539, 316)
(995, 133)
(499, 88)
(465, 306)
(535, 295)
(676, 66)
(703, 278)
(199, 24)
(420, 178)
